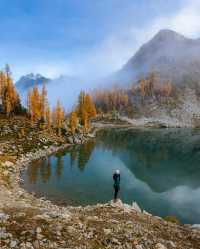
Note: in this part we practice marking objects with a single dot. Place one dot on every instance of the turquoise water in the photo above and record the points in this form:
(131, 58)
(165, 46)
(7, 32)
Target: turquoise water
(160, 170)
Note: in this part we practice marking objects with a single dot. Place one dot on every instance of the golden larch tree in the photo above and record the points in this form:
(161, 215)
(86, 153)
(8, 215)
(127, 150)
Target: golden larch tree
(2, 85)
(89, 106)
(85, 121)
(10, 98)
(81, 101)
(36, 104)
(48, 119)
(81, 105)
(73, 122)
(58, 117)
(29, 102)
(43, 100)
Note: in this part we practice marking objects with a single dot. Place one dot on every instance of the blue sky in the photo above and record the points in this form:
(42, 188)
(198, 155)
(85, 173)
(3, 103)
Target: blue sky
(85, 37)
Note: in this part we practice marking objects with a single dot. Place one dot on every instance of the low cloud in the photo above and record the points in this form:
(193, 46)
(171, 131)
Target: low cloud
(116, 49)
(111, 54)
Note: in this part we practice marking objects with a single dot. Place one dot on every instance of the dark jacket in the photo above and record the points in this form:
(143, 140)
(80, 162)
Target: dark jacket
(116, 178)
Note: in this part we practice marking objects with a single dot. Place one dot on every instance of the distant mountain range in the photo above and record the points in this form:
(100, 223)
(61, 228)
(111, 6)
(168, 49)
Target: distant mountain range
(171, 55)
(64, 88)
(29, 80)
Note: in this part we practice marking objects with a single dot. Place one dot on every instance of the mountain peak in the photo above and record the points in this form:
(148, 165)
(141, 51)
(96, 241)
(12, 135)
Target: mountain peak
(33, 76)
(167, 32)
(168, 35)
(172, 55)
(30, 80)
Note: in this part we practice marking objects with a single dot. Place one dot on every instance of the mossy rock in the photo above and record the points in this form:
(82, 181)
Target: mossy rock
(173, 219)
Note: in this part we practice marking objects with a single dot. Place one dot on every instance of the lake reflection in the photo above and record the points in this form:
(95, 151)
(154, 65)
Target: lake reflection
(160, 169)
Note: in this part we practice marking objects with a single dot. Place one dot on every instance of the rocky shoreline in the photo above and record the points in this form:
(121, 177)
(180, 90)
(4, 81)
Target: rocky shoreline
(146, 122)
(30, 222)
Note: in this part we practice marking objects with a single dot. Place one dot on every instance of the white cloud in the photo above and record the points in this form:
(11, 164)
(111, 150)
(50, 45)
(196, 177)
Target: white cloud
(116, 49)
(48, 69)
(185, 21)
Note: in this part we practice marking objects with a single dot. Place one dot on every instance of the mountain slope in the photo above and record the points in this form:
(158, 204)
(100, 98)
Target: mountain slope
(170, 54)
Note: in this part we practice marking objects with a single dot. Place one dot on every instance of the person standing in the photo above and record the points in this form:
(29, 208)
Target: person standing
(116, 179)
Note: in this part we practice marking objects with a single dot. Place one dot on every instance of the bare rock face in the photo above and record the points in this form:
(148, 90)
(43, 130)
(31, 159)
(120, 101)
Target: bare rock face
(170, 54)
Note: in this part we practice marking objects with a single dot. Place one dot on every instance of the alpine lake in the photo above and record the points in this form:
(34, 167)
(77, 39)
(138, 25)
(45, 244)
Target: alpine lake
(160, 170)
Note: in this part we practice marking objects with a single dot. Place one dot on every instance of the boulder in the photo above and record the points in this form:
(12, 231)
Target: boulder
(4, 217)
(77, 140)
(38, 230)
(145, 212)
(136, 207)
(117, 203)
(90, 135)
(160, 246)
(107, 231)
(70, 140)
(139, 247)
(13, 244)
(8, 164)
(196, 226)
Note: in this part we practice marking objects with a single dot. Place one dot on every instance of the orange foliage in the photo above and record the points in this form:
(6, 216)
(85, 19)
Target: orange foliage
(43, 100)
(48, 119)
(58, 117)
(37, 103)
(111, 99)
(34, 104)
(86, 109)
(8, 94)
(89, 106)
(73, 122)
(85, 121)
